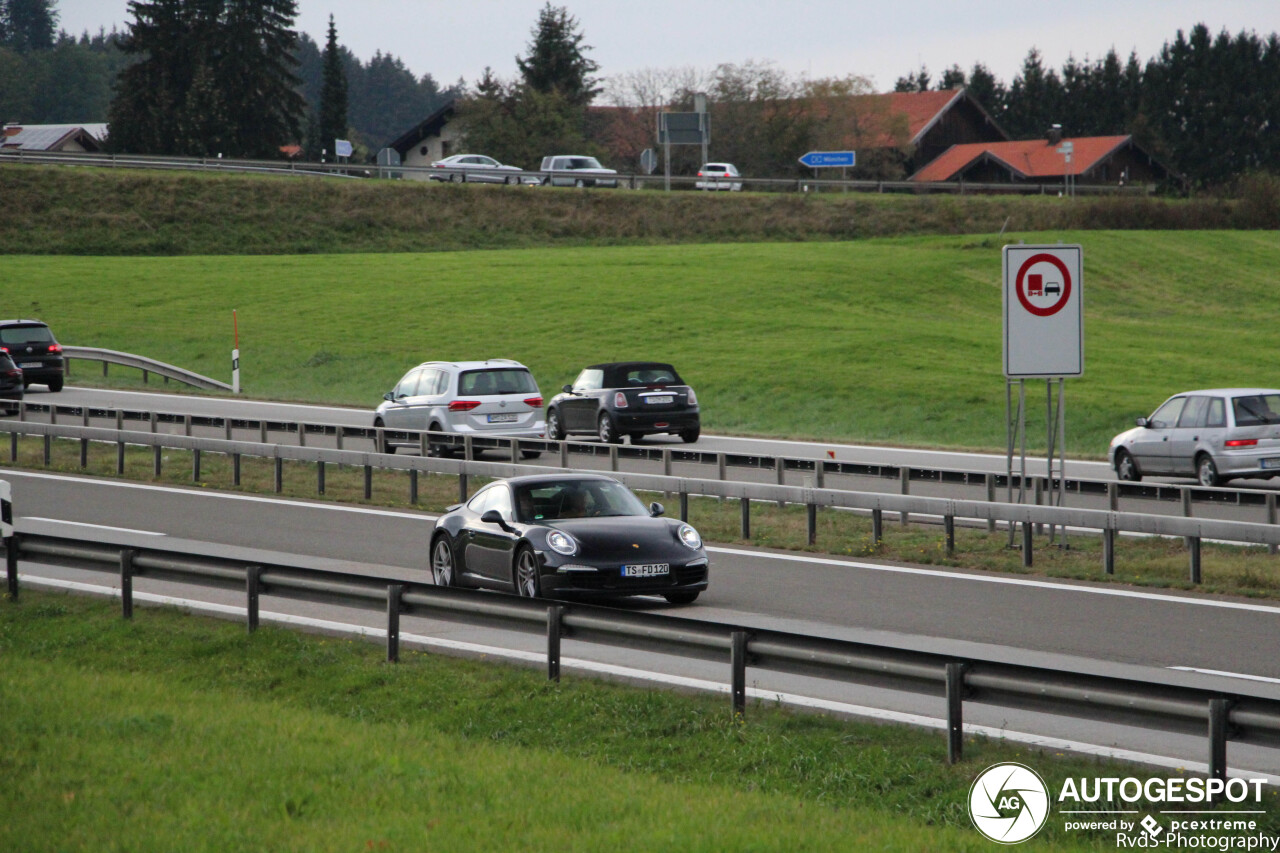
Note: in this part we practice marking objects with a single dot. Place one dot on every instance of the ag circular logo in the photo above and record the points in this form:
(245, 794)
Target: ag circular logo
(1009, 803)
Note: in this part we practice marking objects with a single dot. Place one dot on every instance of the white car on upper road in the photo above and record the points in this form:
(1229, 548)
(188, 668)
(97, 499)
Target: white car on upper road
(574, 170)
(719, 176)
(475, 168)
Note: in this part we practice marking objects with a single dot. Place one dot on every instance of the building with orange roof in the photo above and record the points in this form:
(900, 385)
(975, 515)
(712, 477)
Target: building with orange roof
(1116, 160)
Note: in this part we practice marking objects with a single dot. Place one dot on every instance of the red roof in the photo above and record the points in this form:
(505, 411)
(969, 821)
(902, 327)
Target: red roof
(922, 109)
(1026, 158)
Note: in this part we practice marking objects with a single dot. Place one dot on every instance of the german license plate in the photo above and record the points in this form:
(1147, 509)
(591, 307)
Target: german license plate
(1270, 463)
(665, 398)
(29, 364)
(503, 419)
(646, 570)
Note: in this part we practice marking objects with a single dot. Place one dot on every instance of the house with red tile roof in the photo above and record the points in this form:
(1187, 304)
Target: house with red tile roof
(1116, 160)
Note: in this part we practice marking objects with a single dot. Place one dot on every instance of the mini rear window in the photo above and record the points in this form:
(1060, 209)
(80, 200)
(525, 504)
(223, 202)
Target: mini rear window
(482, 383)
(643, 374)
(26, 335)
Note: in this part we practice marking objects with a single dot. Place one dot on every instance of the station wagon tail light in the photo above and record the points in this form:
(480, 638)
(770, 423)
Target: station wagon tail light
(1241, 442)
(693, 398)
(463, 405)
(533, 402)
(620, 400)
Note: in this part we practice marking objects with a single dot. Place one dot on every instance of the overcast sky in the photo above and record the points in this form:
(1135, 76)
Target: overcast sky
(819, 38)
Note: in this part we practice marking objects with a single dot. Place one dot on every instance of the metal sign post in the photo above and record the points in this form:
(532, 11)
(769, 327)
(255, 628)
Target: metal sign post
(683, 129)
(1043, 338)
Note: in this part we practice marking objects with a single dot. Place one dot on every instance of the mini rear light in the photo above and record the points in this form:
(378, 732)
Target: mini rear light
(55, 347)
(533, 402)
(463, 405)
(1241, 442)
(620, 400)
(693, 398)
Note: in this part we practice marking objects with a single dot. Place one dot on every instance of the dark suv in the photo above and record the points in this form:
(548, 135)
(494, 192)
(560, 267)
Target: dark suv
(31, 345)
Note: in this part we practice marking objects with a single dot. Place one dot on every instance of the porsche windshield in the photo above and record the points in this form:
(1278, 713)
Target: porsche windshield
(549, 501)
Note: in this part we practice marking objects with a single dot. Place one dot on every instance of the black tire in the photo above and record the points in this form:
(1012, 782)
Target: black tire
(1126, 468)
(606, 431)
(682, 597)
(637, 437)
(690, 435)
(579, 183)
(509, 181)
(524, 573)
(1207, 471)
(381, 443)
(55, 385)
(444, 568)
(530, 454)
(436, 449)
(453, 177)
(555, 429)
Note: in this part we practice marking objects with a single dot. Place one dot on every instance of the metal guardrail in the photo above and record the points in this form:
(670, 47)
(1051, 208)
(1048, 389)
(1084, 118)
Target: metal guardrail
(630, 180)
(1108, 523)
(1172, 703)
(146, 365)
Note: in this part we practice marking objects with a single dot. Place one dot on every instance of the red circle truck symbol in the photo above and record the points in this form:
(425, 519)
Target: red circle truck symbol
(1043, 284)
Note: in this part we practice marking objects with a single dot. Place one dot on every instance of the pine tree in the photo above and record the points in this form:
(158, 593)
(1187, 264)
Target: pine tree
(332, 118)
(27, 25)
(255, 75)
(557, 59)
(144, 113)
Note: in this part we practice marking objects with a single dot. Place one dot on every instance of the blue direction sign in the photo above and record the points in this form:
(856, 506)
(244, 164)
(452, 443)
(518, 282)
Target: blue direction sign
(826, 159)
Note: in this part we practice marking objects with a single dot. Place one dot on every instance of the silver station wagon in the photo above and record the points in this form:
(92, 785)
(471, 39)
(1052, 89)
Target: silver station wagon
(1214, 435)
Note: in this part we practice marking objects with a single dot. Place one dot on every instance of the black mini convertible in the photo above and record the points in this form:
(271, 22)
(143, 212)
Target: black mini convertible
(572, 535)
(635, 398)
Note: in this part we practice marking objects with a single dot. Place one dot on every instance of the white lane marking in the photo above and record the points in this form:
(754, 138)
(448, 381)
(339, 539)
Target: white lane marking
(229, 496)
(95, 526)
(1042, 741)
(958, 576)
(1243, 675)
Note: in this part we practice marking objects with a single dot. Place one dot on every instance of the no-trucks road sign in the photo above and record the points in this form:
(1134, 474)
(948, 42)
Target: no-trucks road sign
(1043, 311)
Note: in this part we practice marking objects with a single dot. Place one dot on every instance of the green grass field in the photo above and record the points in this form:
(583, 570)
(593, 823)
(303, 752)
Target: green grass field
(176, 732)
(892, 340)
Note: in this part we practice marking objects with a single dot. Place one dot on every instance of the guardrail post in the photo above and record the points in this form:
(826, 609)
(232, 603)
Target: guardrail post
(1026, 545)
(104, 368)
(746, 518)
(126, 583)
(468, 451)
(186, 424)
(144, 376)
(394, 593)
(1113, 497)
(989, 480)
(13, 447)
(949, 528)
(462, 487)
(252, 582)
(1184, 494)
(279, 474)
(877, 526)
(152, 422)
(413, 485)
(157, 454)
(1218, 709)
(320, 477)
(235, 469)
(738, 661)
(53, 413)
(555, 619)
(84, 453)
(811, 522)
(120, 458)
(1109, 550)
(564, 454)
(819, 474)
(1271, 519)
(226, 428)
(302, 435)
(515, 449)
(666, 461)
(1037, 490)
(368, 482)
(1193, 546)
(339, 435)
(262, 432)
(120, 420)
(613, 457)
(12, 545)
(424, 444)
(684, 506)
(955, 712)
(780, 468)
(195, 465)
(48, 450)
(720, 466)
(904, 481)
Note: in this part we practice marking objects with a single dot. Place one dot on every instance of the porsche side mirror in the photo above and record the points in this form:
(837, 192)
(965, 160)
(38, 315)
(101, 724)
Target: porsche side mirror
(656, 509)
(492, 516)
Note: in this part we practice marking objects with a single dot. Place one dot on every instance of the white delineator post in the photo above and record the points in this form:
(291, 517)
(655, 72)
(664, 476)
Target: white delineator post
(235, 355)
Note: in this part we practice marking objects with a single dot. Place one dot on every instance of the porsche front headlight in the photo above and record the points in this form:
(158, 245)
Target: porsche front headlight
(563, 543)
(689, 537)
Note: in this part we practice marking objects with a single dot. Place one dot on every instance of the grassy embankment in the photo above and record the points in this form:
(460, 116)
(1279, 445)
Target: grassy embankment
(180, 732)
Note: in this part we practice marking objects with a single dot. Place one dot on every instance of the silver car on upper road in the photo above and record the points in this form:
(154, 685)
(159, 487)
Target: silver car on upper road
(498, 397)
(1213, 435)
(475, 168)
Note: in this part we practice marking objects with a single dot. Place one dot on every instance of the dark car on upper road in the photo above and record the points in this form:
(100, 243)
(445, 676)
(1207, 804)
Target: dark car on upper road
(635, 398)
(11, 382)
(32, 346)
(567, 535)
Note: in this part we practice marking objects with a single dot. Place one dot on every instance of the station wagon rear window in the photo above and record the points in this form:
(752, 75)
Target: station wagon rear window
(481, 383)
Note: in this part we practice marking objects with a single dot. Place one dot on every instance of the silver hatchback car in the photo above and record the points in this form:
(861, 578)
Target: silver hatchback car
(1213, 435)
(498, 397)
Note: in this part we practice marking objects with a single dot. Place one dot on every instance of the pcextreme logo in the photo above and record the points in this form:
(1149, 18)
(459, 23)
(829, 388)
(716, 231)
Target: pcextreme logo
(1009, 803)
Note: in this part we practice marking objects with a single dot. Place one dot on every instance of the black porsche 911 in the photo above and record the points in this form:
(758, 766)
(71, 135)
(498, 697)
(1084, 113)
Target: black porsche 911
(635, 398)
(567, 535)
